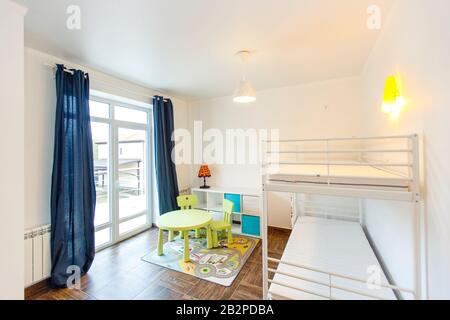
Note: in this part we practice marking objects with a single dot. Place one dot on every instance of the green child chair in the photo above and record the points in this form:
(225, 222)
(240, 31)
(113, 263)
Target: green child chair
(223, 225)
(187, 202)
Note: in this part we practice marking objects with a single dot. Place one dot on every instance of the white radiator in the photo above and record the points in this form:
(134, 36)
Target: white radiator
(37, 255)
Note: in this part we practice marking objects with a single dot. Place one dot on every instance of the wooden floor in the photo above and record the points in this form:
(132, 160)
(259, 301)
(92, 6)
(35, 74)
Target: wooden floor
(118, 273)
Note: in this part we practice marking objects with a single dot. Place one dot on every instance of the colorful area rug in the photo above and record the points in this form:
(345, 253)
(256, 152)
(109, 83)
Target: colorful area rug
(219, 265)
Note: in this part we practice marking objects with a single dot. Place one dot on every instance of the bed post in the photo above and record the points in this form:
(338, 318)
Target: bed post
(265, 247)
(418, 251)
(264, 244)
(361, 213)
(417, 216)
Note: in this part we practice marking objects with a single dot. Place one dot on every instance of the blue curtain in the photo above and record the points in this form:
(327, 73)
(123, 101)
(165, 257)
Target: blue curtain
(166, 175)
(73, 194)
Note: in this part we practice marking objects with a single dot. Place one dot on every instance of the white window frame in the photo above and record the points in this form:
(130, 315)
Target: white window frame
(114, 126)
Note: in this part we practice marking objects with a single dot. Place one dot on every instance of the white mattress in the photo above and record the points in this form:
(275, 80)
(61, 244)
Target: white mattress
(333, 246)
(339, 175)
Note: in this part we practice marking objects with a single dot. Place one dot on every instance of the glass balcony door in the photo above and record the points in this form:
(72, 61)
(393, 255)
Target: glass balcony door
(122, 154)
(131, 179)
(102, 169)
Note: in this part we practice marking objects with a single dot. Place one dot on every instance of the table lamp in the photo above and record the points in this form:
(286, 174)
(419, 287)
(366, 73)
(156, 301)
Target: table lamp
(204, 173)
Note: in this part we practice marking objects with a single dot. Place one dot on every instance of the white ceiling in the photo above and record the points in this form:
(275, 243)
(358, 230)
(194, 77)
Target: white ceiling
(187, 48)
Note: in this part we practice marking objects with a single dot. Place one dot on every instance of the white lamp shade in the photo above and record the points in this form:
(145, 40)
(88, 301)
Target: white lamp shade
(245, 93)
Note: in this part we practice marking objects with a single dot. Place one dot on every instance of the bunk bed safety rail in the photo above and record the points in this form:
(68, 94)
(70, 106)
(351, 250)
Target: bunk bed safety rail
(327, 209)
(330, 283)
(405, 169)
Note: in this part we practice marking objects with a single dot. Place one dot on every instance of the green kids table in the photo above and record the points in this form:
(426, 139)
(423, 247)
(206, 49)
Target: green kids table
(183, 221)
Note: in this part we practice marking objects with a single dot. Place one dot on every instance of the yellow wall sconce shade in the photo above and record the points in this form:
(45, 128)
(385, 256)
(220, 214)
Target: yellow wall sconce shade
(392, 98)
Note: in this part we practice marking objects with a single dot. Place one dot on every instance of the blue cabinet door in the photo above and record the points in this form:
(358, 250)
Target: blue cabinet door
(236, 199)
(251, 225)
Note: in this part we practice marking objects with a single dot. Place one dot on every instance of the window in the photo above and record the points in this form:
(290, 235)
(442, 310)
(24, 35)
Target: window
(130, 115)
(98, 109)
(120, 136)
(132, 159)
(100, 142)
(102, 237)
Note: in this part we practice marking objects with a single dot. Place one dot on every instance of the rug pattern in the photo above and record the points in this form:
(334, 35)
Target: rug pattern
(219, 265)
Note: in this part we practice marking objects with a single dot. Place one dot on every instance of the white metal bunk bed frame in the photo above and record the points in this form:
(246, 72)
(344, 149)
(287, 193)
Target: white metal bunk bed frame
(413, 195)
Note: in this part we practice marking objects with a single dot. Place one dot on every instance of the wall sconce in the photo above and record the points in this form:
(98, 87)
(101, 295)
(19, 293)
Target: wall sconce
(393, 101)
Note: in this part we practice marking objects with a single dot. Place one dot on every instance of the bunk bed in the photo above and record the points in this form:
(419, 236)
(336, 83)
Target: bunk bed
(328, 255)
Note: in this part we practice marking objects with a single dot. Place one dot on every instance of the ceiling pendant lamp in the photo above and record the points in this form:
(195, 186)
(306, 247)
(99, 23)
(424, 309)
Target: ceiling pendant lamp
(245, 93)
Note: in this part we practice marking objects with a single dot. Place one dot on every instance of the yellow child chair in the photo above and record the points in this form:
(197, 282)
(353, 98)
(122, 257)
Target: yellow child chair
(187, 202)
(224, 224)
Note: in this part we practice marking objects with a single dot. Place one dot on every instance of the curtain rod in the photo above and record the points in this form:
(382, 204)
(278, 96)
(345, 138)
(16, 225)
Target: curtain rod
(65, 69)
(53, 66)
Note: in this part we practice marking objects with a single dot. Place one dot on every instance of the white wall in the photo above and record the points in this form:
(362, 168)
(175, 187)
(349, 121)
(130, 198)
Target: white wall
(415, 43)
(325, 109)
(298, 112)
(12, 190)
(40, 104)
(388, 223)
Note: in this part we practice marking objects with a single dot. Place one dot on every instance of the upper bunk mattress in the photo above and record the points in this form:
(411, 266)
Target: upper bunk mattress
(339, 175)
(329, 245)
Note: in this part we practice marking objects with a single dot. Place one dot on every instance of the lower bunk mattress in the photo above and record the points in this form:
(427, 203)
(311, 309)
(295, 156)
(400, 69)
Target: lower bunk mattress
(333, 246)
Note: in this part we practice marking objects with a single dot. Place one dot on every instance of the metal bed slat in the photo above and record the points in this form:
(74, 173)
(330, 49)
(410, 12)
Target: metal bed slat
(342, 151)
(343, 164)
(345, 139)
(332, 286)
(341, 191)
(336, 275)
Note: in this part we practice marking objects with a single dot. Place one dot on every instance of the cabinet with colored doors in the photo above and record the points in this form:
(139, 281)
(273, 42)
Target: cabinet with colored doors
(247, 212)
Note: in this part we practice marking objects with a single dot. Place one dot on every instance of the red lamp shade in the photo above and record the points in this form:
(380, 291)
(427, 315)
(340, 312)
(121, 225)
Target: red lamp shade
(204, 172)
